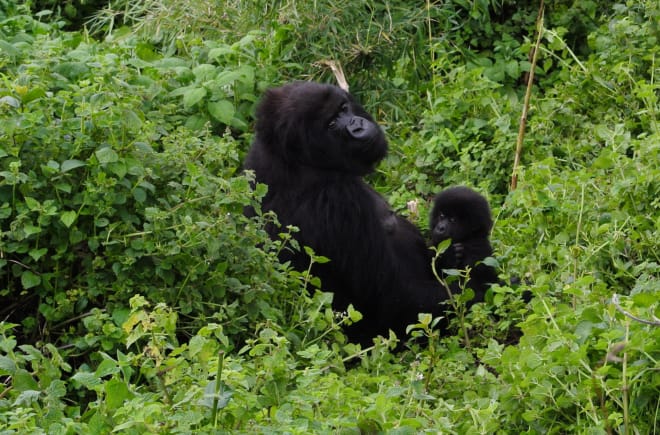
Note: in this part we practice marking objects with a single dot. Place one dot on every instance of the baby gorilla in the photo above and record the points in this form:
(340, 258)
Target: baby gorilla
(463, 215)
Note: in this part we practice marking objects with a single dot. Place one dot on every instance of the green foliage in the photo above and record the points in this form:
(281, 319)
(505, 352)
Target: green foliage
(137, 298)
(104, 194)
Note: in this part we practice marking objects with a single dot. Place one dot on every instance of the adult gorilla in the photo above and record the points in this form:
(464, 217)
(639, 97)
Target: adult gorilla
(313, 145)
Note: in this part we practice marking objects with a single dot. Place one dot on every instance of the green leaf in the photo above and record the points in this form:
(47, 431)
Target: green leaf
(64, 187)
(10, 101)
(222, 111)
(56, 389)
(7, 365)
(223, 396)
(30, 229)
(443, 246)
(36, 254)
(116, 393)
(227, 77)
(140, 195)
(193, 97)
(102, 222)
(106, 155)
(89, 380)
(33, 94)
(204, 72)
(490, 261)
(29, 279)
(219, 51)
(68, 165)
(118, 168)
(353, 314)
(68, 218)
(23, 381)
(131, 120)
(424, 318)
(32, 203)
(9, 49)
(107, 367)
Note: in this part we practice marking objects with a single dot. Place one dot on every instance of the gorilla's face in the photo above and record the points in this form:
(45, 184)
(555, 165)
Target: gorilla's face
(459, 214)
(448, 227)
(320, 126)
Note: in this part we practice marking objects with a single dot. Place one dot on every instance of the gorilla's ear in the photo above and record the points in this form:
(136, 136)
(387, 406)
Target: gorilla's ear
(277, 126)
(269, 119)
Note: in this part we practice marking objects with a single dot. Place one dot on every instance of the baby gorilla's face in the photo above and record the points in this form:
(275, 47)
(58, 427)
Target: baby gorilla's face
(459, 213)
(447, 226)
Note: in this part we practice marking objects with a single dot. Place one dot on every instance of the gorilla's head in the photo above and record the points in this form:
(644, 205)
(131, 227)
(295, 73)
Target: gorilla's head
(459, 213)
(319, 126)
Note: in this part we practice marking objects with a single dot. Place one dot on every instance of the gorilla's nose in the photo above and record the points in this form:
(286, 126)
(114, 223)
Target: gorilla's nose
(440, 231)
(359, 128)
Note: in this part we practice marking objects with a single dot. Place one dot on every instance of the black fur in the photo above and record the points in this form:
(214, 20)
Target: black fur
(313, 145)
(463, 215)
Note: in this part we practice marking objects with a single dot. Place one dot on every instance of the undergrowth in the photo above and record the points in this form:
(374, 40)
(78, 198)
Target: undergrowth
(137, 298)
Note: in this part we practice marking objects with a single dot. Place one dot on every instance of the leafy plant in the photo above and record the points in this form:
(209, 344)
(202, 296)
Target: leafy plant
(137, 297)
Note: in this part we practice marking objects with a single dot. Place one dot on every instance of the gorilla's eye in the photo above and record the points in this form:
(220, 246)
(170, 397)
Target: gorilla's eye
(452, 220)
(342, 109)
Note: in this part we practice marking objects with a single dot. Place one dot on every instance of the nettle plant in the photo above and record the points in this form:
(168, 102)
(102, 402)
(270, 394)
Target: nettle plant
(104, 195)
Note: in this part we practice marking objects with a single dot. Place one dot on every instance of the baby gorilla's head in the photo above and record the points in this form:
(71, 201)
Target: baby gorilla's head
(459, 213)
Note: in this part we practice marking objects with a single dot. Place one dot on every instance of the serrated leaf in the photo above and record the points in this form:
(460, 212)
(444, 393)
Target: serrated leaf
(222, 111)
(32, 203)
(204, 72)
(140, 195)
(89, 380)
(68, 218)
(7, 365)
(118, 168)
(131, 120)
(227, 77)
(56, 389)
(9, 49)
(106, 155)
(193, 97)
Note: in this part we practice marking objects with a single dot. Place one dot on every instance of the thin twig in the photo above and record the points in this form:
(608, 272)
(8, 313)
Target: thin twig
(338, 72)
(528, 94)
(615, 301)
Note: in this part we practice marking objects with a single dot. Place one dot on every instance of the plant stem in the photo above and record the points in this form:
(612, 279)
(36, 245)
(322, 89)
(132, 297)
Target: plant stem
(218, 388)
(528, 93)
(624, 388)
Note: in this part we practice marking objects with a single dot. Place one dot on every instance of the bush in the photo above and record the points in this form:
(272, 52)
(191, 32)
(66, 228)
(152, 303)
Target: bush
(136, 296)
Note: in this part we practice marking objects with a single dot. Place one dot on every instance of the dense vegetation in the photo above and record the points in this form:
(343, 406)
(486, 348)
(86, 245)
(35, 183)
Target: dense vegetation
(137, 298)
